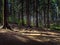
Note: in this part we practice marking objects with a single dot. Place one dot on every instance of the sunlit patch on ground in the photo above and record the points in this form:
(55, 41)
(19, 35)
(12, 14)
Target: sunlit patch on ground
(36, 39)
(26, 35)
(3, 30)
(21, 38)
(41, 35)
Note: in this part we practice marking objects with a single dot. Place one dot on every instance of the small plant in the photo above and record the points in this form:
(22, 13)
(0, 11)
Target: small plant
(55, 27)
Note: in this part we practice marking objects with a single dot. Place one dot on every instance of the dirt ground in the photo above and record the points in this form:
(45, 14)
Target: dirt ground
(25, 37)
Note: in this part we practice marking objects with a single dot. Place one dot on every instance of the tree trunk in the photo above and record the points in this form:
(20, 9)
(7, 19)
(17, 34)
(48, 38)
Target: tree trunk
(27, 13)
(22, 13)
(5, 21)
(44, 15)
(48, 22)
(36, 9)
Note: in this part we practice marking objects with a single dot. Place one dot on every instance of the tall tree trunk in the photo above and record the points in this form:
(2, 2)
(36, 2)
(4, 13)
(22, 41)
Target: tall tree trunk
(44, 14)
(6, 25)
(36, 9)
(48, 22)
(33, 12)
(22, 15)
(27, 13)
(57, 15)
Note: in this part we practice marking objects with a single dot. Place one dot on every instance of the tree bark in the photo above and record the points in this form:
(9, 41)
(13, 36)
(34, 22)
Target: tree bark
(48, 22)
(22, 13)
(27, 13)
(44, 14)
(5, 21)
(36, 9)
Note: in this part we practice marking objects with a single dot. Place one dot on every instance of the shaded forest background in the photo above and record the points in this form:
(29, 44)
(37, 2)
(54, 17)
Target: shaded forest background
(30, 13)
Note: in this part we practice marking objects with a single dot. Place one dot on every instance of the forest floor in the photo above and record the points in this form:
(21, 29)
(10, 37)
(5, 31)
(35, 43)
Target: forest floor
(29, 37)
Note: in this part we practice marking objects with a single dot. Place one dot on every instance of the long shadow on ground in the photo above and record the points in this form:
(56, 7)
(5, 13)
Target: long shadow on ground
(9, 39)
